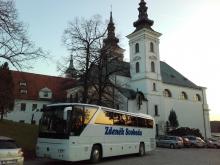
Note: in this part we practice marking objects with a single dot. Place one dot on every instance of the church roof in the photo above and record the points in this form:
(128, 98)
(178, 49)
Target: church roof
(33, 83)
(128, 93)
(171, 76)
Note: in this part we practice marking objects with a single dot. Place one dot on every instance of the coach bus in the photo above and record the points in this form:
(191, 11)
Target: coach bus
(75, 132)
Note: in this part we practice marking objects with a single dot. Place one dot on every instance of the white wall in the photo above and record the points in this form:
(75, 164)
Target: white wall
(26, 116)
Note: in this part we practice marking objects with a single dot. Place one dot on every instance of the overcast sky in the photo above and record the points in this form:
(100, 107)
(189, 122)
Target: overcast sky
(190, 28)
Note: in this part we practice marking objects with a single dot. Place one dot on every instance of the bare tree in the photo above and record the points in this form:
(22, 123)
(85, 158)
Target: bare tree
(82, 38)
(6, 90)
(15, 46)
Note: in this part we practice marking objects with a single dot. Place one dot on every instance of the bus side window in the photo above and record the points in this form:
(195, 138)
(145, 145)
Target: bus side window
(119, 119)
(150, 123)
(131, 121)
(105, 118)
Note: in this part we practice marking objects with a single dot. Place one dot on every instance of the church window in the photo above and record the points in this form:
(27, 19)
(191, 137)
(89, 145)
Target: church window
(184, 96)
(167, 93)
(137, 48)
(152, 67)
(154, 87)
(156, 110)
(198, 97)
(151, 47)
(137, 67)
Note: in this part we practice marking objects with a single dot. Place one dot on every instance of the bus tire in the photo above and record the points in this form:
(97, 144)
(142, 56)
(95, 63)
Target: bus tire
(141, 149)
(96, 154)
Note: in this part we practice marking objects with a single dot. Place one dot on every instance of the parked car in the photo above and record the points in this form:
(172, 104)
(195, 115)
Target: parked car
(196, 141)
(169, 141)
(212, 143)
(186, 142)
(10, 152)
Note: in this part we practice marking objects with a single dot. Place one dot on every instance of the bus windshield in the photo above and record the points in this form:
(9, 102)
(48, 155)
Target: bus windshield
(52, 122)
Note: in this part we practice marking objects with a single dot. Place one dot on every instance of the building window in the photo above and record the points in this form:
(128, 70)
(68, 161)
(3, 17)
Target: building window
(136, 48)
(23, 91)
(151, 47)
(152, 67)
(156, 113)
(137, 67)
(46, 94)
(34, 107)
(23, 83)
(183, 96)
(154, 87)
(198, 97)
(167, 93)
(23, 106)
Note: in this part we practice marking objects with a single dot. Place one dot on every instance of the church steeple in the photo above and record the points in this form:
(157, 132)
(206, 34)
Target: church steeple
(111, 39)
(71, 61)
(111, 42)
(71, 72)
(143, 20)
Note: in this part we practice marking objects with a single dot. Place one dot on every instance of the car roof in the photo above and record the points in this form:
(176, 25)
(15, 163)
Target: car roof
(5, 138)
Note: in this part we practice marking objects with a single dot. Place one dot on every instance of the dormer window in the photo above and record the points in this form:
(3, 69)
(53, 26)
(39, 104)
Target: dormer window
(23, 91)
(137, 48)
(23, 83)
(45, 93)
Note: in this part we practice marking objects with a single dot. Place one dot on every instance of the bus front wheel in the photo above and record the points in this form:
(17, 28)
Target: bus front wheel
(96, 154)
(141, 149)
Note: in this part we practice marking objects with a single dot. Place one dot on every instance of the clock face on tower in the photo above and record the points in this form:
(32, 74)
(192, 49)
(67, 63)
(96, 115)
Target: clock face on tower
(136, 58)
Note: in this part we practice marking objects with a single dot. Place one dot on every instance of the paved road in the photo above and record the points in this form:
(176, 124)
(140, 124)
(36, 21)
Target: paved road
(161, 156)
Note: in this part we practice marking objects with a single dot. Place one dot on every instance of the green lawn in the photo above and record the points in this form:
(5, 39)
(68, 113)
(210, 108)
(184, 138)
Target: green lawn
(24, 134)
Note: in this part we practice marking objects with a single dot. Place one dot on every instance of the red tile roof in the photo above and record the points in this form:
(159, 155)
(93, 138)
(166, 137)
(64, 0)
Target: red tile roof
(36, 82)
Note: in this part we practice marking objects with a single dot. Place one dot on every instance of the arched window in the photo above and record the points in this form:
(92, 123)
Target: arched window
(184, 96)
(151, 47)
(152, 67)
(198, 97)
(137, 48)
(154, 87)
(167, 93)
(137, 67)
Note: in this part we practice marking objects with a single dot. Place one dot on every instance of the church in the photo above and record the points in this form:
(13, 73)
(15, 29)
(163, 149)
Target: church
(151, 86)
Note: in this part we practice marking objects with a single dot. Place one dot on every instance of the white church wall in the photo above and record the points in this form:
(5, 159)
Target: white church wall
(189, 112)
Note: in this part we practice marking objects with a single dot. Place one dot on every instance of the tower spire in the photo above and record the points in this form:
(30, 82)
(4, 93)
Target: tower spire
(111, 39)
(111, 42)
(71, 72)
(143, 20)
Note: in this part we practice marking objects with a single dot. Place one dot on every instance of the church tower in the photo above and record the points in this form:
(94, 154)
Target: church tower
(144, 53)
(71, 72)
(111, 43)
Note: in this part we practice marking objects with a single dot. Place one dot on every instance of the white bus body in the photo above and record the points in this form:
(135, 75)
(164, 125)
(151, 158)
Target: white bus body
(106, 132)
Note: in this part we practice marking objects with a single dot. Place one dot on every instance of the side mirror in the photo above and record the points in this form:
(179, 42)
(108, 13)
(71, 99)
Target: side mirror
(67, 111)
